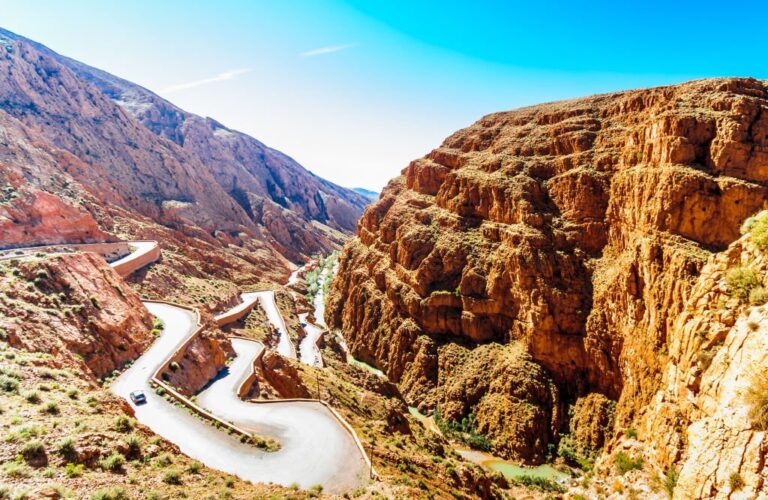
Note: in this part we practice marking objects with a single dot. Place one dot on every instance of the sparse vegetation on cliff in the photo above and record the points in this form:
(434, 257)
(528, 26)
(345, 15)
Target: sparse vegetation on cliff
(86, 442)
(741, 281)
(757, 399)
(625, 463)
(758, 229)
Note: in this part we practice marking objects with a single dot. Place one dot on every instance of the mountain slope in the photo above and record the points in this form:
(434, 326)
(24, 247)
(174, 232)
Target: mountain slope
(134, 154)
(568, 236)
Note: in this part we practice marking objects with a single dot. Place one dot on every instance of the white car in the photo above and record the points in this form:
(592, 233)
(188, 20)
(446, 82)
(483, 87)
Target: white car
(138, 397)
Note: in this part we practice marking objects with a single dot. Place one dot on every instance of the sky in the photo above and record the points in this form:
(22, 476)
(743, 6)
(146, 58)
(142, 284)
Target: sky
(354, 90)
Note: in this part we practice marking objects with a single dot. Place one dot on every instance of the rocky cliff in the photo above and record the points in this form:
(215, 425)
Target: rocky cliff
(136, 164)
(551, 254)
(76, 309)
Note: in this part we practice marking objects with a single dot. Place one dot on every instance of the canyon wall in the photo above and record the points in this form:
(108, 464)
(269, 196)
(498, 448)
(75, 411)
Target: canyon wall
(545, 254)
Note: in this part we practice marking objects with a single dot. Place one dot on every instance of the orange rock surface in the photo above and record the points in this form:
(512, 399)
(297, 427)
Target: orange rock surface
(574, 231)
(75, 308)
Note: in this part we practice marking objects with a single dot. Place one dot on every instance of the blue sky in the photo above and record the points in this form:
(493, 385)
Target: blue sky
(356, 89)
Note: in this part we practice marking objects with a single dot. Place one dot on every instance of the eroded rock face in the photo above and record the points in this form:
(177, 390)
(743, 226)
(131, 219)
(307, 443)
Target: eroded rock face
(199, 362)
(34, 215)
(282, 375)
(511, 398)
(575, 230)
(699, 418)
(77, 309)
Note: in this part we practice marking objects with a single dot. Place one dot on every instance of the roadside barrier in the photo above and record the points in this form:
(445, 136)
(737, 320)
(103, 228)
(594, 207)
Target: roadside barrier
(177, 354)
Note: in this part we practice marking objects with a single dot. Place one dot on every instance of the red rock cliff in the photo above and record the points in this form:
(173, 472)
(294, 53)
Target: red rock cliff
(74, 307)
(573, 231)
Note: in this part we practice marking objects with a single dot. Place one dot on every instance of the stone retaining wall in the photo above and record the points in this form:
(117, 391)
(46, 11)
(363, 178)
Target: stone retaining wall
(137, 260)
(242, 392)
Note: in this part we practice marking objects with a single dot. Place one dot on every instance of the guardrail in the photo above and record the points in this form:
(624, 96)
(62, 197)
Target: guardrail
(123, 261)
(242, 391)
(137, 259)
(236, 312)
(115, 249)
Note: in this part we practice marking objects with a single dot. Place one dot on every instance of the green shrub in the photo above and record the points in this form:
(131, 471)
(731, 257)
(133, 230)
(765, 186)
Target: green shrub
(66, 447)
(172, 476)
(625, 463)
(174, 366)
(50, 408)
(741, 281)
(538, 483)
(757, 399)
(134, 444)
(759, 231)
(194, 467)
(575, 455)
(113, 493)
(33, 450)
(163, 460)
(15, 469)
(315, 490)
(94, 301)
(758, 296)
(630, 433)
(464, 430)
(670, 481)
(73, 470)
(32, 397)
(746, 226)
(114, 462)
(8, 384)
(123, 424)
(736, 482)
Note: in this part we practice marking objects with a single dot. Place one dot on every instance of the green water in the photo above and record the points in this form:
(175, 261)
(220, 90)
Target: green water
(512, 471)
(360, 364)
(507, 469)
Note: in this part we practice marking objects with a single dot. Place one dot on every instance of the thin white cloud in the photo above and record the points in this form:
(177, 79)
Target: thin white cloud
(227, 75)
(327, 50)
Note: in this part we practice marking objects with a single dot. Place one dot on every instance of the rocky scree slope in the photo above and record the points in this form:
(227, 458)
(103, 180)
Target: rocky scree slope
(543, 255)
(84, 135)
(75, 308)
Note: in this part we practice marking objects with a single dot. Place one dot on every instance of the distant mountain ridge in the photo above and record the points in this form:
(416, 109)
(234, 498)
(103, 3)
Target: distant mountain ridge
(134, 151)
(371, 195)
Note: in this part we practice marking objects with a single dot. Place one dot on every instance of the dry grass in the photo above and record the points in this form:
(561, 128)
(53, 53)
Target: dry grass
(50, 444)
(757, 399)
(741, 281)
(759, 232)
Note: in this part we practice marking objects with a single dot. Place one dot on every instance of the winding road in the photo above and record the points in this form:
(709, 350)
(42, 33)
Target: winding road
(284, 346)
(315, 447)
